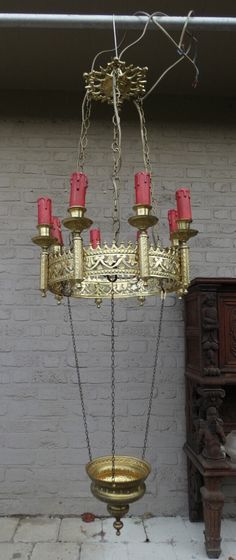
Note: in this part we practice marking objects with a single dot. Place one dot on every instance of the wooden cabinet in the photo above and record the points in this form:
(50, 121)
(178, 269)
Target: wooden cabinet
(210, 334)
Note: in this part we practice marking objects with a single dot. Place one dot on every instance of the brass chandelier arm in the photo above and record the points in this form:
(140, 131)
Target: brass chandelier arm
(44, 272)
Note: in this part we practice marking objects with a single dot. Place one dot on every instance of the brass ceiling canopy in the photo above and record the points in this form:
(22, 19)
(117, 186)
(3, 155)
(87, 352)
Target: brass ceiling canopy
(131, 81)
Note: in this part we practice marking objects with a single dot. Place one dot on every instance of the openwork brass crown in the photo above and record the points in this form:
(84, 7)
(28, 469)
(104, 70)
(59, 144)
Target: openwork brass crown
(123, 262)
(131, 81)
(140, 269)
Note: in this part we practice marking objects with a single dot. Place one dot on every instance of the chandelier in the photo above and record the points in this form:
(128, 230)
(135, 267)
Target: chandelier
(116, 270)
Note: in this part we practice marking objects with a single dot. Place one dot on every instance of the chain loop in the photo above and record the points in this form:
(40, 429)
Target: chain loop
(85, 124)
(79, 380)
(153, 377)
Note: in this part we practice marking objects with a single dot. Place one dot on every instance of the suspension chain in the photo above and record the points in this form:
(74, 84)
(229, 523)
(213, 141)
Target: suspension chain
(116, 150)
(85, 124)
(146, 158)
(79, 380)
(153, 377)
(144, 136)
(113, 431)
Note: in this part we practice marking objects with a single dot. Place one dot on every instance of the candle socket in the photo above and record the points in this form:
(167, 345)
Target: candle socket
(174, 240)
(44, 230)
(184, 232)
(57, 249)
(77, 221)
(44, 239)
(77, 211)
(143, 219)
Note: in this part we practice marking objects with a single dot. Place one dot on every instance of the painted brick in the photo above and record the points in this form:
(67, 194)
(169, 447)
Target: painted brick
(43, 449)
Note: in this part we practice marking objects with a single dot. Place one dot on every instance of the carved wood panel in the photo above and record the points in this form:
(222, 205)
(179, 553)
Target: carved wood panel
(210, 336)
(227, 307)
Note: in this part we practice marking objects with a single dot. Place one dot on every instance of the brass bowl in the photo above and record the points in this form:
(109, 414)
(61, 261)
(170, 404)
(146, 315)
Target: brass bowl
(126, 487)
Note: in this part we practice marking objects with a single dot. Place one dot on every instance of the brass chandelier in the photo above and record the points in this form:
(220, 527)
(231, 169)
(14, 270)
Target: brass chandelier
(141, 269)
(116, 270)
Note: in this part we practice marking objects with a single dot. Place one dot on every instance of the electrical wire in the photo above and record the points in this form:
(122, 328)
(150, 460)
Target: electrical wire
(162, 76)
(107, 51)
(114, 34)
(184, 53)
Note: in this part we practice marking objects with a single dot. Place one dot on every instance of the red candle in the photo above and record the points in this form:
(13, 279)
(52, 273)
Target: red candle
(172, 219)
(44, 211)
(56, 230)
(184, 204)
(78, 187)
(142, 185)
(95, 237)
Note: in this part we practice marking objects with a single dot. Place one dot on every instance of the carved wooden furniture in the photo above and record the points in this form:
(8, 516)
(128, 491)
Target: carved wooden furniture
(210, 320)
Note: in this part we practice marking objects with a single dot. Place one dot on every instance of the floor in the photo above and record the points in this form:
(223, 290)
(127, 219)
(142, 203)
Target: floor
(69, 538)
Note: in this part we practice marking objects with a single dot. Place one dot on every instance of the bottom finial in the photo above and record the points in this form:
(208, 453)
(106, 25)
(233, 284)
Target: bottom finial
(118, 526)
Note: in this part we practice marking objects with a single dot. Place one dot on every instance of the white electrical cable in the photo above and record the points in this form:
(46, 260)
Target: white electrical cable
(114, 34)
(179, 46)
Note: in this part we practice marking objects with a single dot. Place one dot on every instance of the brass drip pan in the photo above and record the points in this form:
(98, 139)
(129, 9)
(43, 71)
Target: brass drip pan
(126, 487)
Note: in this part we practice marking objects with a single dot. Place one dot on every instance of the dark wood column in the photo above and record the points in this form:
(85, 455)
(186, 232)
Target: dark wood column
(213, 501)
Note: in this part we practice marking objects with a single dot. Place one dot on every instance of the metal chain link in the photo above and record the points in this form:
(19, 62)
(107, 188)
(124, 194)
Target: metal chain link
(153, 377)
(116, 149)
(113, 431)
(79, 380)
(146, 158)
(144, 136)
(83, 141)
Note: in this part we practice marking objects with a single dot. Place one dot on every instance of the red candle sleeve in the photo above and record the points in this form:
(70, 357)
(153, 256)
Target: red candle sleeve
(78, 187)
(172, 219)
(95, 237)
(44, 211)
(184, 204)
(56, 230)
(142, 185)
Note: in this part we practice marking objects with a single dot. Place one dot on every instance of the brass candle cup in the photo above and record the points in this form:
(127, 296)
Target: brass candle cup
(77, 221)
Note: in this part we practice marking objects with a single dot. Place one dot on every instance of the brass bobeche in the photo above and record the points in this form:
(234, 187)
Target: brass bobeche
(77, 221)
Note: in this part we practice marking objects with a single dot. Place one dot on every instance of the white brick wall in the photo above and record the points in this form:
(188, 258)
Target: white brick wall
(43, 449)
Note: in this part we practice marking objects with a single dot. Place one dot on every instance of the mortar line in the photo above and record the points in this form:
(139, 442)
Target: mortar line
(144, 528)
(59, 527)
(17, 525)
(32, 549)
